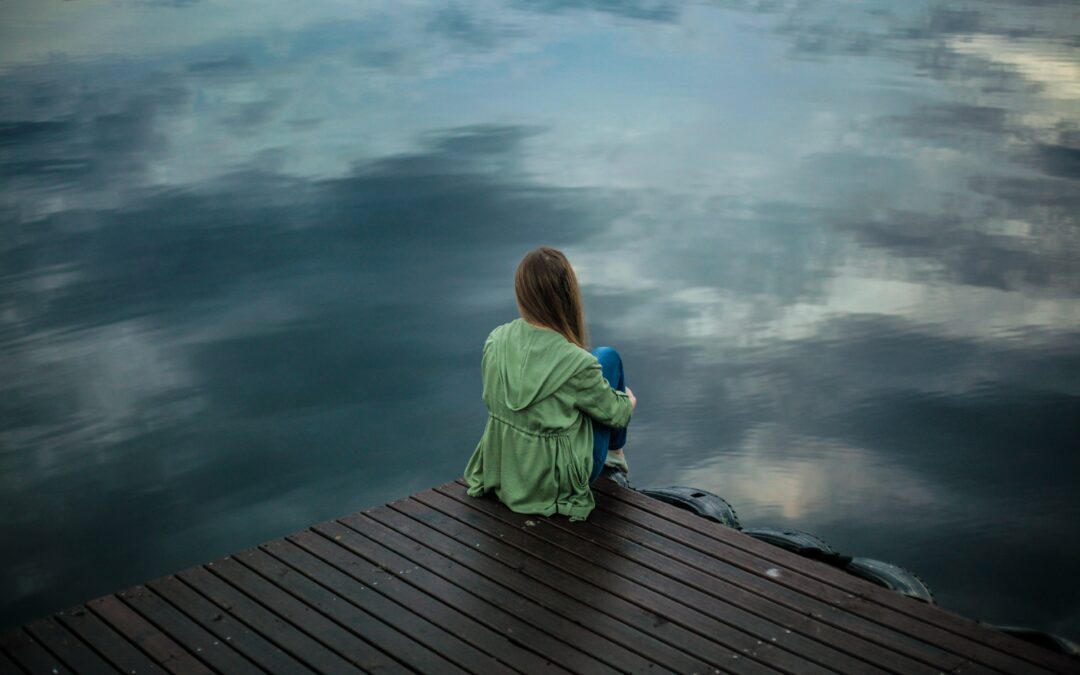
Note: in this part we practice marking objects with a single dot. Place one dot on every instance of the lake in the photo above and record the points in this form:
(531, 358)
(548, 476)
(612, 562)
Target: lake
(251, 251)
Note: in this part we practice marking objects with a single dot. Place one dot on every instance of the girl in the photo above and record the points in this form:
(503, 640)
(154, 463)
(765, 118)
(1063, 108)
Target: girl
(557, 413)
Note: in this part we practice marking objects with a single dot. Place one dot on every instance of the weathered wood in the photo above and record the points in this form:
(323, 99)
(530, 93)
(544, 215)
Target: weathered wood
(442, 582)
(113, 646)
(443, 578)
(714, 636)
(298, 613)
(9, 666)
(289, 637)
(380, 588)
(677, 558)
(570, 610)
(75, 653)
(226, 628)
(216, 653)
(376, 620)
(23, 649)
(690, 586)
(909, 617)
(650, 633)
(163, 649)
(713, 573)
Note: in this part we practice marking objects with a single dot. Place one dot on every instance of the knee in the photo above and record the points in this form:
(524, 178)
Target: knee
(608, 357)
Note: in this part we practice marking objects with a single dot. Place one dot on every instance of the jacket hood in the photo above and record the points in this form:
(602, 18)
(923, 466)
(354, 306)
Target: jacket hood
(532, 363)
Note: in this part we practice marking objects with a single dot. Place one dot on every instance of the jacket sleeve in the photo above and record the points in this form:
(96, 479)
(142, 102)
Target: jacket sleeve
(595, 397)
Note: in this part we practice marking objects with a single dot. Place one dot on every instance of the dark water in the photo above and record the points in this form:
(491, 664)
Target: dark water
(250, 253)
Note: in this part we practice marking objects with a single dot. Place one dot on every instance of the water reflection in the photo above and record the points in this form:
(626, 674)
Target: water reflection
(249, 259)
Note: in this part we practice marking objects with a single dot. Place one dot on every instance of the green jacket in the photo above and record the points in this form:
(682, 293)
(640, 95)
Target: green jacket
(542, 393)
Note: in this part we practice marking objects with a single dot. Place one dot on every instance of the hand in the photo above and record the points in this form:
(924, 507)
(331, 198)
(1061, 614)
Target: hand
(633, 399)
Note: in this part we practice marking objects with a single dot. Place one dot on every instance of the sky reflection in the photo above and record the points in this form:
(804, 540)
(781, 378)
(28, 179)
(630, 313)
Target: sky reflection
(249, 258)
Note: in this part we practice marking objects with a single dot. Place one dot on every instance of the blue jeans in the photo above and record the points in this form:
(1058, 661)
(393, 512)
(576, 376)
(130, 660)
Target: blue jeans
(605, 437)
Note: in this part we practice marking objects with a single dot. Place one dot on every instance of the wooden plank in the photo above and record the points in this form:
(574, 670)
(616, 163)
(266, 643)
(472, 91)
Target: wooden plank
(374, 620)
(165, 651)
(919, 620)
(68, 647)
(30, 654)
(869, 640)
(367, 580)
(696, 610)
(218, 654)
(226, 628)
(498, 609)
(712, 636)
(307, 618)
(114, 647)
(648, 633)
(802, 635)
(273, 627)
(859, 597)
(512, 592)
(9, 666)
(806, 612)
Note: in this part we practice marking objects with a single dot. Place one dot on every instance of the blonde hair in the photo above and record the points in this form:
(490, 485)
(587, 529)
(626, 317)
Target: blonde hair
(548, 294)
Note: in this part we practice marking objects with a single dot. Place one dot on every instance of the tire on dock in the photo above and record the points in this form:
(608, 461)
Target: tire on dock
(893, 577)
(701, 502)
(1042, 638)
(802, 543)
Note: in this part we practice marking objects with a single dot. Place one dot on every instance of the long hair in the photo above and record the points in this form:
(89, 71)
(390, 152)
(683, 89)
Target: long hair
(548, 294)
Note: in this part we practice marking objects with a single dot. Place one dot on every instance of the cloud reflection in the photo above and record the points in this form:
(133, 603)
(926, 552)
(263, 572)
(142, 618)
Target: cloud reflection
(821, 482)
(647, 10)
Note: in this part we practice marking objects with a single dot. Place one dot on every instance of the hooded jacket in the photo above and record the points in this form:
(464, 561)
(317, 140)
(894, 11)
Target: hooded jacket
(542, 393)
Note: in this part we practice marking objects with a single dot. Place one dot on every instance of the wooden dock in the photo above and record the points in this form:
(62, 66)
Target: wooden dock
(440, 582)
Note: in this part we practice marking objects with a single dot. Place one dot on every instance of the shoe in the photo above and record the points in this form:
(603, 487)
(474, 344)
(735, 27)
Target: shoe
(617, 476)
(616, 459)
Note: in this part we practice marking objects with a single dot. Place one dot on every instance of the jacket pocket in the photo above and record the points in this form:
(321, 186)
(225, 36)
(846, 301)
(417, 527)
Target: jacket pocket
(582, 468)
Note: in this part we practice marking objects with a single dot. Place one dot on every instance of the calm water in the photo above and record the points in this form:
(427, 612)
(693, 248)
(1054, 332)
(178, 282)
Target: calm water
(249, 257)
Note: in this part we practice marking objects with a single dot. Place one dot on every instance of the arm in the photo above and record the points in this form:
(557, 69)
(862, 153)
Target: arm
(596, 398)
